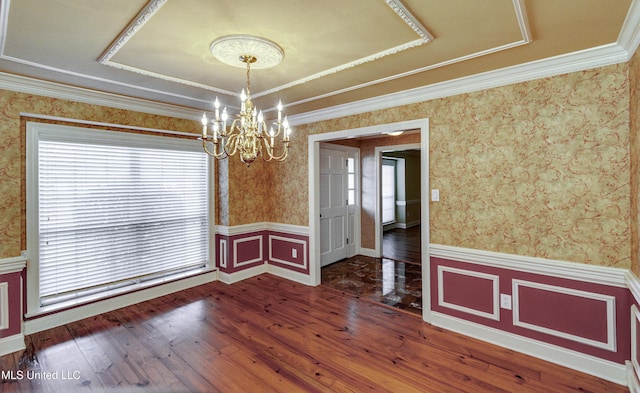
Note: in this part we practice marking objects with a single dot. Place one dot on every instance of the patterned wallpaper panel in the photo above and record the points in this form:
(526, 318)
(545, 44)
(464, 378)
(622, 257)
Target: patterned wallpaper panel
(539, 168)
(634, 148)
(12, 151)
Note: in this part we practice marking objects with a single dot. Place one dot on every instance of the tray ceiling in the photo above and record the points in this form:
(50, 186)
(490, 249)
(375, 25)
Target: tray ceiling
(335, 51)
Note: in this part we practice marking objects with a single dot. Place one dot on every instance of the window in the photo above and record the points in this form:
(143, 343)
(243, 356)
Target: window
(388, 191)
(114, 209)
(351, 181)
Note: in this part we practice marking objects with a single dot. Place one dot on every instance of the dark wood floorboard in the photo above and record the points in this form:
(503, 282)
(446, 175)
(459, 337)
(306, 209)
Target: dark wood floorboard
(267, 334)
(402, 244)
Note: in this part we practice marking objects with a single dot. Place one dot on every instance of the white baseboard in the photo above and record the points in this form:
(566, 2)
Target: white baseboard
(368, 252)
(290, 275)
(11, 344)
(66, 316)
(407, 225)
(232, 278)
(604, 369)
(632, 379)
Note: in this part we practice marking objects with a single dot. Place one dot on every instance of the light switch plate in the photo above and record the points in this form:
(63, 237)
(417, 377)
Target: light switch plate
(435, 195)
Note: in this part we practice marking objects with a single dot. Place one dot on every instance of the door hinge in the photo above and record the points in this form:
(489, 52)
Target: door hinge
(347, 240)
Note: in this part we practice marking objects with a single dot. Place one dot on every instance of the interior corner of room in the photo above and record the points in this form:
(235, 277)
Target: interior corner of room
(209, 196)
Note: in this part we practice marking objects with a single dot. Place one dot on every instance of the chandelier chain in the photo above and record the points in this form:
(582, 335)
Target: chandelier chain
(248, 77)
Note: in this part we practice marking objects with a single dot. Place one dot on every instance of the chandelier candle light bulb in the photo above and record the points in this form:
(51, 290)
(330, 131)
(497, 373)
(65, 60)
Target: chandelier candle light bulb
(204, 126)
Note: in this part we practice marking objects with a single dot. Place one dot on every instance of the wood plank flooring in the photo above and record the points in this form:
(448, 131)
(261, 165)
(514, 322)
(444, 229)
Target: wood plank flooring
(402, 244)
(267, 334)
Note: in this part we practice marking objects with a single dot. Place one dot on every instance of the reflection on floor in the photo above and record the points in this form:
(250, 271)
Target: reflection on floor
(394, 283)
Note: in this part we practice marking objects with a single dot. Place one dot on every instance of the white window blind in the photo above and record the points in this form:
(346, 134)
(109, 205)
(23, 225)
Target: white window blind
(117, 213)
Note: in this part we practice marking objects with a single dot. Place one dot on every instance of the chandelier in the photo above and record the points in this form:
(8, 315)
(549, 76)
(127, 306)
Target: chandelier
(249, 135)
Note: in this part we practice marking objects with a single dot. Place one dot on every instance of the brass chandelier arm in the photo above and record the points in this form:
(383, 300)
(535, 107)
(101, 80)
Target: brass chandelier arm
(220, 155)
(270, 152)
(248, 136)
(223, 151)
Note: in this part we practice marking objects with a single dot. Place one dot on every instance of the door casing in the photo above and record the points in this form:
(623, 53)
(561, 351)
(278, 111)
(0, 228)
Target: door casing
(314, 196)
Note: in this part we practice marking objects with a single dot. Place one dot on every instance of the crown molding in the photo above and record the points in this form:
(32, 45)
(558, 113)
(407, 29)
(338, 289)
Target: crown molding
(27, 85)
(558, 65)
(619, 52)
(629, 37)
(573, 62)
(425, 37)
(136, 24)
(410, 20)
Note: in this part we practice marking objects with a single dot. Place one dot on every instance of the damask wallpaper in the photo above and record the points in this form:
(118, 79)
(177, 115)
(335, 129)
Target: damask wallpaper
(539, 168)
(634, 124)
(12, 151)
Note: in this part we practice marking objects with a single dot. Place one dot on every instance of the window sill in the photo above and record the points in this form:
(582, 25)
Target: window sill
(110, 300)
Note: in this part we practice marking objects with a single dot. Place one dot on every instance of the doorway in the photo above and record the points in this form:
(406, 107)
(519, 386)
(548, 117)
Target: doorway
(398, 224)
(315, 262)
(400, 202)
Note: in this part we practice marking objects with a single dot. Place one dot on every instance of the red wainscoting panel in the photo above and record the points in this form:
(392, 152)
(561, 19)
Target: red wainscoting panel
(239, 252)
(289, 251)
(585, 317)
(469, 291)
(242, 251)
(576, 315)
(10, 304)
(247, 250)
(635, 341)
(637, 344)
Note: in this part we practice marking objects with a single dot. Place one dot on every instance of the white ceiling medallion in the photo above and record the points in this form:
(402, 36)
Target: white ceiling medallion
(230, 48)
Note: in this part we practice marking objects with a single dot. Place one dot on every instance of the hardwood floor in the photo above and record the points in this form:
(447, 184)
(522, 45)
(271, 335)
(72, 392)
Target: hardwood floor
(267, 334)
(402, 244)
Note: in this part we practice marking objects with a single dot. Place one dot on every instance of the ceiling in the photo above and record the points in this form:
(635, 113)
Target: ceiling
(336, 52)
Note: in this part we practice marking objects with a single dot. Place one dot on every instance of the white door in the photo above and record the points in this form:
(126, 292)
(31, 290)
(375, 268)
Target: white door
(333, 205)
